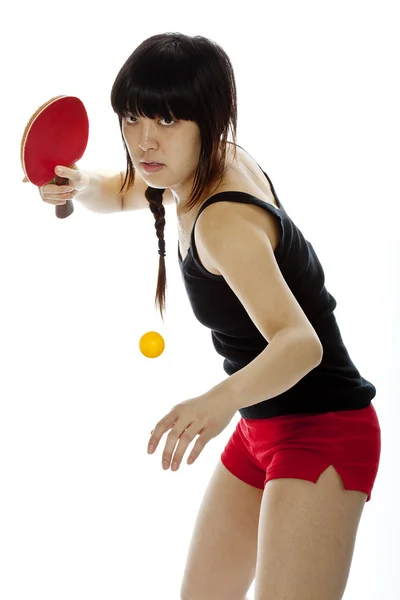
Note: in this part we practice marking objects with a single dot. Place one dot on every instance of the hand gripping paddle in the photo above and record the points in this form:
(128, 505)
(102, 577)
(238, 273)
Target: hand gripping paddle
(56, 134)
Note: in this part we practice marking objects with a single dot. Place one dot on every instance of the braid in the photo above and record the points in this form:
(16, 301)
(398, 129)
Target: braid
(155, 197)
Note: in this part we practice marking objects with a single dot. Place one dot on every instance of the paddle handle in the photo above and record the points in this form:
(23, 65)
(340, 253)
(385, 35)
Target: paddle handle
(63, 210)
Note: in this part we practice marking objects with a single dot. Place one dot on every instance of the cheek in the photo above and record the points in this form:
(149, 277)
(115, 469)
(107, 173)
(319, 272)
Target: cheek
(126, 135)
(129, 141)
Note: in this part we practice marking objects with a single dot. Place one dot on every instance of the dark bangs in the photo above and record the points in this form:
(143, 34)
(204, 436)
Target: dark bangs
(159, 81)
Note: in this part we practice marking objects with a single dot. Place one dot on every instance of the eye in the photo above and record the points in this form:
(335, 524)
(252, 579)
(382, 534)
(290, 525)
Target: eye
(173, 121)
(127, 119)
(129, 116)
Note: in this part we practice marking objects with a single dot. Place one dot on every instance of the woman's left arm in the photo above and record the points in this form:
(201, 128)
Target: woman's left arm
(289, 357)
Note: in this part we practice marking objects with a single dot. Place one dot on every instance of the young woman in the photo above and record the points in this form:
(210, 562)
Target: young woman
(284, 502)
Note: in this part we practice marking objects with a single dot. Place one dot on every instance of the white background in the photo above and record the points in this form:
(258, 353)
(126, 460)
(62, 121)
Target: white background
(85, 513)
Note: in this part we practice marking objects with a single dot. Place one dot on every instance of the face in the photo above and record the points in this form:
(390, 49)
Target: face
(175, 144)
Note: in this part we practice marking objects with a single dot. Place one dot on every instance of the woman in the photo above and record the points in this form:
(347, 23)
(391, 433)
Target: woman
(285, 500)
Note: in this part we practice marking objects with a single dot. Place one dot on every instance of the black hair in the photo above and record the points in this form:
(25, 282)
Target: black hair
(188, 78)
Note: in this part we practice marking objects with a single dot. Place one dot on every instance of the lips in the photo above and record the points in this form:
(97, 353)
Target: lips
(155, 164)
(152, 168)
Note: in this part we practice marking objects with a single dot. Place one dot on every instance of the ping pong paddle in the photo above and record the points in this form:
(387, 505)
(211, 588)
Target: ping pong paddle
(56, 134)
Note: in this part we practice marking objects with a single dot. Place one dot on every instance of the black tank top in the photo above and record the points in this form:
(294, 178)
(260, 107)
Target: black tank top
(335, 384)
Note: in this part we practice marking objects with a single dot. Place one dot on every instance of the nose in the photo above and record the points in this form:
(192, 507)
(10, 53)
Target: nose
(147, 138)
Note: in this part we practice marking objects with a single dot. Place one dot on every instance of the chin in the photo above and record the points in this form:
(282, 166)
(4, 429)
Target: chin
(156, 185)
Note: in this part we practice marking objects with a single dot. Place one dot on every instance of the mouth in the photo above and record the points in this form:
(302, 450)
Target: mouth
(151, 167)
(154, 164)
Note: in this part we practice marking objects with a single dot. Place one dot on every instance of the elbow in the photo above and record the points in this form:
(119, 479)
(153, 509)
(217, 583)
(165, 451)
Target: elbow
(317, 351)
(305, 343)
(312, 347)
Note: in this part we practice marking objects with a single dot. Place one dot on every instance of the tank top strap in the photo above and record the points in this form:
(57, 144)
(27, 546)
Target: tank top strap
(242, 198)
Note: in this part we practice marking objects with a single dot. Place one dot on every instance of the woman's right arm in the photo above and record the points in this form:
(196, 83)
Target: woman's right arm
(98, 191)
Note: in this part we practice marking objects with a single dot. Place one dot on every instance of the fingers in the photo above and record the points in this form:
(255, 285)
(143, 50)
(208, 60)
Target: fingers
(57, 194)
(183, 431)
(162, 426)
(184, 440)
(72, 174)
(197, 448)
(78, 179)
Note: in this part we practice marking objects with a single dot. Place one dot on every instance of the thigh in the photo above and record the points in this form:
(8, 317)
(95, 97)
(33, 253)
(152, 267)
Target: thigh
(222, 555)
(307, 534)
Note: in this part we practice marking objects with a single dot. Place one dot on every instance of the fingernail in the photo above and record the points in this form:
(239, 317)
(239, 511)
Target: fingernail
(174, 466)
(165, 464)
(59, 171)
(150, 449)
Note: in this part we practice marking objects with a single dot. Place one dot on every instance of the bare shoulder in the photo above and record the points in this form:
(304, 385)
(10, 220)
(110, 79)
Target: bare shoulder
(224, 217)
(244, 176)
(226, 225)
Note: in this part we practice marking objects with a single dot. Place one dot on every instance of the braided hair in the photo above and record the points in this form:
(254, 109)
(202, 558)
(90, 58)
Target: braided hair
(155, 198)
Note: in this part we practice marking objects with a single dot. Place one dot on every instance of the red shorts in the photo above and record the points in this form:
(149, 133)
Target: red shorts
(304, 445)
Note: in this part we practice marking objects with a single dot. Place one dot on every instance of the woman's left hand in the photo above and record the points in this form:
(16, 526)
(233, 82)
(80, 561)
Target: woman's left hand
(205, 416)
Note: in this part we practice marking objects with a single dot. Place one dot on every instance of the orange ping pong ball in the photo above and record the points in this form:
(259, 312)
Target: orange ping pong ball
(151, 344)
